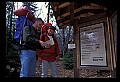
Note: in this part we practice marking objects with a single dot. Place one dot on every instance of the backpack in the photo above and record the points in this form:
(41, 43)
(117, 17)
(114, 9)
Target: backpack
(21, 21)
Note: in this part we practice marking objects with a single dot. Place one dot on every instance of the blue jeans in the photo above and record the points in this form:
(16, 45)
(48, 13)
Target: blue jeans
(53, 66)
(28, 63)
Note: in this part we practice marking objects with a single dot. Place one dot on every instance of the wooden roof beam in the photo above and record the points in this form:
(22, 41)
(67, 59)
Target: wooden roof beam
(54, 5)
(100, 7)
(94, 6)
(64, 5)
(86, 14)
(61, 6)
(63, 23)
(64, 26)
(62, 16)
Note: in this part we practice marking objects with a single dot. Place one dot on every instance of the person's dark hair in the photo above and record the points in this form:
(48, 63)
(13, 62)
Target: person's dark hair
(52, 27)
(39, 19)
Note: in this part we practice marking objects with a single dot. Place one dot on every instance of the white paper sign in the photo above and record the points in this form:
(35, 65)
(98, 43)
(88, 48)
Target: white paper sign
(71, 46)
(92, 46)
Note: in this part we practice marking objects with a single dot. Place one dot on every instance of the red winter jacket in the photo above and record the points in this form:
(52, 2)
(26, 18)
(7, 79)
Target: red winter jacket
(54, 49)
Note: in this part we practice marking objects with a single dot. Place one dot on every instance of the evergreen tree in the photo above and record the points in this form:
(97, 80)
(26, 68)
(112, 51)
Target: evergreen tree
(67, 61)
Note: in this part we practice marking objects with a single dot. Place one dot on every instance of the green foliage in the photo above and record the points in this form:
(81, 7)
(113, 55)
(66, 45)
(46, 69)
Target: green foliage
(67, 61)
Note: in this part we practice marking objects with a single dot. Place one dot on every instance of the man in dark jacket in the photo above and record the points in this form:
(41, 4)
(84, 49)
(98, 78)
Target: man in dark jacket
(30, 43)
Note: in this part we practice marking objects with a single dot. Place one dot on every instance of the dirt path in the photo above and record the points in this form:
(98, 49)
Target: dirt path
(70, 73)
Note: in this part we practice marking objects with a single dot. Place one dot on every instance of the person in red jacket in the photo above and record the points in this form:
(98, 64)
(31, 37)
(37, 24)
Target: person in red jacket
(42, 29)
(50, 55)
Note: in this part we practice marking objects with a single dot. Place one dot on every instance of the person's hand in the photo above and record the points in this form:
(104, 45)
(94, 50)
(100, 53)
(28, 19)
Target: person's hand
(57, 58)
(39, 61)
(40, 41)
(48, 46)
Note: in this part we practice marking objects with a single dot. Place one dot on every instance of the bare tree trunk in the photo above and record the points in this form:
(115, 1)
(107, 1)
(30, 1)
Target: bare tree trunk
(14, 19)
(10, 36)
(48, 12)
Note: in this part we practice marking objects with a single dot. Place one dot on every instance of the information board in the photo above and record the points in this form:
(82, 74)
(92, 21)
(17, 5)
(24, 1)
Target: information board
(92, 45)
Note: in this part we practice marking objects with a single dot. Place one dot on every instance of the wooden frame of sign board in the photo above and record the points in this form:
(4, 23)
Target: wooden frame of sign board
(90, 56)
(113, 30)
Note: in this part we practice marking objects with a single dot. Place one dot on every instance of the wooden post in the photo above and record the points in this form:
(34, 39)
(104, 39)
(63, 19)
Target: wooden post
(113, 29)
(73, 23)
(71, 8)
(76, 70)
